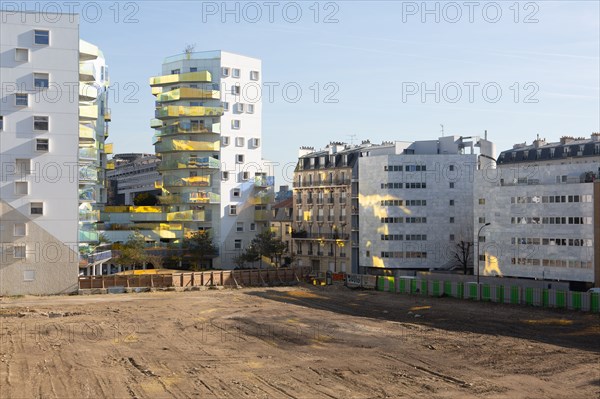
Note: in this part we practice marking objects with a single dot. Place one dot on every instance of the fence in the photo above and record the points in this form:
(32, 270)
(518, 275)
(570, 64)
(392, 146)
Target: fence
(499, 293)
(222, 278)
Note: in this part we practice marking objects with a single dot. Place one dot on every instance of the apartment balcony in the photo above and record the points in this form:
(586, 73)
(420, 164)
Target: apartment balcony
(190, 77)
(108, 148)
(264, 181)
(87, 72)
(89, 216)
(189, 216)
(88, 173)
(186, 93)
(88, 236)
(200, 163)
(87, 92)
(87, 134)
(202, 197)
(87, 51)
(187, 145)
(88, 153)
(110, 165)
(262, 215)
(323, 183)
(194, 181)
(87, 194)
(188, 128)
(88, 112)
(180, 111)
(263, 198)
(156, 123)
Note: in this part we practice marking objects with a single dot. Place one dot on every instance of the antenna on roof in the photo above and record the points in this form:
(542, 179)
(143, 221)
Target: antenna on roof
(352, 138)
(442, 130)
(189, 49)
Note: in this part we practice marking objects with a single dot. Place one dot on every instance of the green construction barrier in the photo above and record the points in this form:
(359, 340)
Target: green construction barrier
(448, 288)
(529, 296)
(545, 300)
(514, 295)
(486, 293)
(500, 294)
(472, 291)
(595, 302)
(413, 286)
(576, 301)
(424, 287)
(380, 283)
(436, 288)
(460, 289)
(561, 299)
(402, 285)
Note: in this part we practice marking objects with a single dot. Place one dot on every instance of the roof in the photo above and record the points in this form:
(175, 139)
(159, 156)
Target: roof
(542, 151)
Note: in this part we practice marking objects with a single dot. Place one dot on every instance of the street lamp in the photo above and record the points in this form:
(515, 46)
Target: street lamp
(478, 234)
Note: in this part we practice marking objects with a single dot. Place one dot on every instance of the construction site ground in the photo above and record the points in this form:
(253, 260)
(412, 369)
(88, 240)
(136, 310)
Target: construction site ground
(293, 342)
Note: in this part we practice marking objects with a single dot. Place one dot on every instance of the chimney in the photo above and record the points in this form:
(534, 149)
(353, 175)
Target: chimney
(305, 151)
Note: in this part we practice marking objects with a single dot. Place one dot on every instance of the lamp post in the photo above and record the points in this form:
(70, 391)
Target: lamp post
(478, 234)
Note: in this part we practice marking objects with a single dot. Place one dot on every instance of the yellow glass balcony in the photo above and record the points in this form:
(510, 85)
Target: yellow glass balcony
(187, 145)
(87, 92)
(188, 127)
(200, 163)
(87, 134)
(193, 181)
(174, 111)
(263, 199)
(108, 148)
(88, 112)
(87, 72)
(87, 51)
(110, 165)
(195, 77)
(187, 216)
(187, 93)
(203, 197)
(261, 216)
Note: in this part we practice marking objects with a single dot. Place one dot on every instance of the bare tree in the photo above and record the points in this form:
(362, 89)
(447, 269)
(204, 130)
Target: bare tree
(462, 251)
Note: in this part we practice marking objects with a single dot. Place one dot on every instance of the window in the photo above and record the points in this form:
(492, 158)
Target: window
(37, 208)
(452, 220)
(482, 220)
(19, 251)
(40, 80)
(245, 175)
(21, 54)
(237, 244)
(225, 71)
(235, 72)
(254, 75)
(236, 124)
(239, 227)
(235, 90)
(252, 226)
(21, 100)
(239, 158)
(42, 145)
(20, 230)
(451, 237)
(236, 192)
(225, 175)
(481, 238)
(233, 210)
(193, 69)
(225, 140)
(175, 72)
(41, 37)
(239, 141)
(21, 188)
(40, 123)
(23, 166)
(225, 106)
(451, 185)
(481, 201)
(1, 123)
(451, 203)
(240, 107)
(255, 142)
(250, 109)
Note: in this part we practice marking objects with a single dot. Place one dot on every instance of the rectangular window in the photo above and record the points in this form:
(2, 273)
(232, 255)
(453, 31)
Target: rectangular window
(225, 140)
(40, 123)
(193, 69)
(235, 72)
(37, 208)
(451, 203)
(41, 37)
(237, 244)
(21, 100)
(21, 55)
(224, 175)
(1, 123)
(225, 71)
(481, 201)
(239, 158)
(451, 220)
(20, 230)
(240, 107)
(41, 80)
(451, 237)
(42, 145)
(175, 72)
(236, 124)
(451, 185)
(255, 142)
(482, 220)
(252, 226)
(19, 251)
(239, 227)
(236, 192)
(225, 106)
(233, 210)
(23, 166)
(239, 141)
(250, 109)
(254, 75)
(21, 188)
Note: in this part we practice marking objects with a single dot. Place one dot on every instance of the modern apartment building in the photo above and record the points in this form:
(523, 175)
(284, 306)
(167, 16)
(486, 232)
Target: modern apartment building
(415, 204)
(542, 204)
(130, 175)
(209, 139)
(325, 225)
(39, 140)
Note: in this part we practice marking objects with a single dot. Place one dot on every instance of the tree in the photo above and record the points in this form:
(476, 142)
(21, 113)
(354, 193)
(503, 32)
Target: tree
(133, 252)
(145, 199)
(200, 246)
(266, 244)
(462, 254)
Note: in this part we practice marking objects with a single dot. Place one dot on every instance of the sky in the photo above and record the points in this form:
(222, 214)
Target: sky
(376, 70)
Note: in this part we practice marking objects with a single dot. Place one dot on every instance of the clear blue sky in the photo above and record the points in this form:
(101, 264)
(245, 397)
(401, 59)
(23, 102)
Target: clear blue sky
(372, 54)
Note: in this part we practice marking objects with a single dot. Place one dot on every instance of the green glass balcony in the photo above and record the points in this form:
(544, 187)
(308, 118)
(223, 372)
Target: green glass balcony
(261, 216)
(87, 194)
(188, 216)
(187, 93)
(156, 123)
(263, 198)
(88, 153)
(264, 181)
(88, 173)
(174, 111)
(191, 77)
(188, 127)
(88, 236)
(187, 145)
(89, 216)
(200, 163)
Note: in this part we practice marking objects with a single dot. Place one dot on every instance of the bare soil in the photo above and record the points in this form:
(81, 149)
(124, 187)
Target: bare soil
(292, 342)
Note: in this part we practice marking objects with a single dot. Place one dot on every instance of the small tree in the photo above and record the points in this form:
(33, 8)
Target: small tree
(462, 254)
(145, 199)
(133, 252)
(266, 244)
(200, 246)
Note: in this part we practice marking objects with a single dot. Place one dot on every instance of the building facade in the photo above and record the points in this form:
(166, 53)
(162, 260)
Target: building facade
(542, 206)
(210, 142)
(415, 204)
(39, 139)
(130, 175)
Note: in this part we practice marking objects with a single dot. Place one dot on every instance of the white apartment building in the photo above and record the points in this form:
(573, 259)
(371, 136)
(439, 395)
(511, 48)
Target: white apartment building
(542, 206)
(415, 204)
(39, 137)
(208, 121)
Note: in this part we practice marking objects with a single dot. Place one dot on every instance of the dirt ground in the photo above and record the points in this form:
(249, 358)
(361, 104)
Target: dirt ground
(292, 342)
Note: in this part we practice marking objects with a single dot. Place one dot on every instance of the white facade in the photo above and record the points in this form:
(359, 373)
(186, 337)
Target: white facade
(241, 182)
(541, 211)
(415, 205)
(39, 182)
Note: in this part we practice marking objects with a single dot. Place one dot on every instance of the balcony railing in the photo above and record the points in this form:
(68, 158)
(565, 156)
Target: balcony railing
(87, 92)
(320, 236)
(188, 216)
(261, 215)
(87, 194)
(200, 163)
(89, 216)
(187, 145)
(264, 181)
(88, 112)
(88, 173)
(174, 111)
(323, 183)
(194, 181)
(86, 72)
(187, 93)
(188, 128)
(196, 77)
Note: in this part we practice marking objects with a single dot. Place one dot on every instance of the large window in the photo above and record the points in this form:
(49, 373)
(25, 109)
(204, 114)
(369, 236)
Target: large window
(21, 100)
(1, 123)
(41, 80)
(42, 145)
(21, 54)
(37, 208)
(40, 123)
(41, 37)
